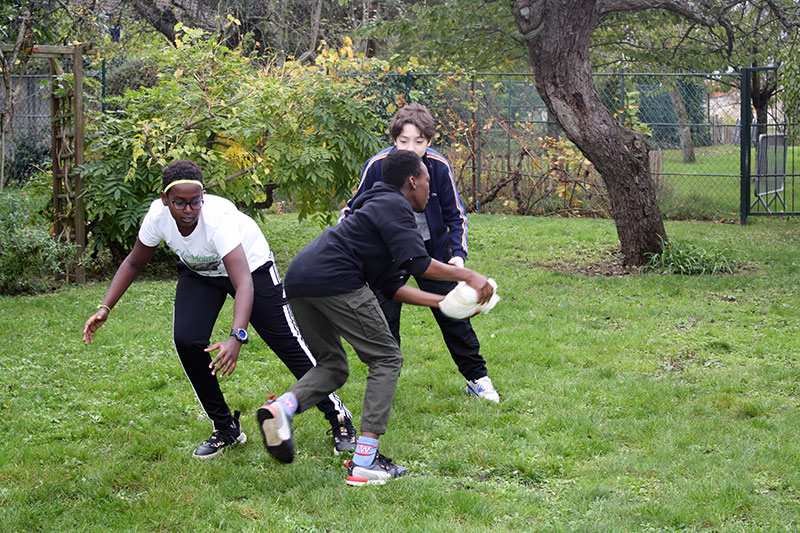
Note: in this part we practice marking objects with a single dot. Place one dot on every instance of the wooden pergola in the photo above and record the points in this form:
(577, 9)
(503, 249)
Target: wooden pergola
(67, 129)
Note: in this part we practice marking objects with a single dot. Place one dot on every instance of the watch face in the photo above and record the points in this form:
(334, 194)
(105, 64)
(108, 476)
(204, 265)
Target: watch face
(240, 335)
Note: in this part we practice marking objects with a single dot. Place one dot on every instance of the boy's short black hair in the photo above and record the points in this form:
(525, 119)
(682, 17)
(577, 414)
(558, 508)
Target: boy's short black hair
(399, 165)
(182, 169)
(415, 114)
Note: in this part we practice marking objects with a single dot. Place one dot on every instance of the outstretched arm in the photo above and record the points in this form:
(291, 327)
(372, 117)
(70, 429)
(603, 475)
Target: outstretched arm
(126, 273)
(410, 295)
(242, 281)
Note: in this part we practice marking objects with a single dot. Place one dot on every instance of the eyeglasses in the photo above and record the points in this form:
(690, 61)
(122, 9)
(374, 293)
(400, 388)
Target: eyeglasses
(180, 204)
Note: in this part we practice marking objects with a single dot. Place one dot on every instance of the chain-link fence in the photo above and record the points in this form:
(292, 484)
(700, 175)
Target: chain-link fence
(28, 148)
(510, 156)
(692, 122)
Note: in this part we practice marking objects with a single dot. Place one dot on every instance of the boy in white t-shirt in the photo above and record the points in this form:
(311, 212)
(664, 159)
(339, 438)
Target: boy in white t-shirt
(222, 252)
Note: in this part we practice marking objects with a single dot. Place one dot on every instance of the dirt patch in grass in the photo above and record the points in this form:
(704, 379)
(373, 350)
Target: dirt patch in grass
(607, 263)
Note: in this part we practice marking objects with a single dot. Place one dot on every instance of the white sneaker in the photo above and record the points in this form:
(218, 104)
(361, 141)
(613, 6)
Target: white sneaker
(483, 388)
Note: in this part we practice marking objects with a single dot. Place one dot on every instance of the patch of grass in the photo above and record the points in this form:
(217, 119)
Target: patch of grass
(678, 257)
(638, 403)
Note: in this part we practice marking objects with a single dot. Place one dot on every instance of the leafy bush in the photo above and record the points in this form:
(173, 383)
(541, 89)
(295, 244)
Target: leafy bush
(683, 258)
(30, 257)
(254, 131)
(133, 74)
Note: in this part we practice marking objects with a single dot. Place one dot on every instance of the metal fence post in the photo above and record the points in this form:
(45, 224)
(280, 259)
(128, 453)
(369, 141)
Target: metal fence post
(510, 120)
(476, 121)
(744, 146)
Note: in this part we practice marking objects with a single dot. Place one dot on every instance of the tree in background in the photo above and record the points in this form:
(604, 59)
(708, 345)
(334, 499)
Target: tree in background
(446, 35)
(558, 36)
(562, 41)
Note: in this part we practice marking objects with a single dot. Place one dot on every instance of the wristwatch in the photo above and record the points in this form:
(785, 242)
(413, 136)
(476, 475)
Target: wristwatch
(240, 335)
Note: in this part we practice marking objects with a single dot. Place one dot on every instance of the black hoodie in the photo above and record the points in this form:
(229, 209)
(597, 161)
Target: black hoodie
(377, 245)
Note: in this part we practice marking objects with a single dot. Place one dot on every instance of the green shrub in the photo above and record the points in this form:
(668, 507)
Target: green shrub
(30, 258)
(678, 257)
(130, 74)
(256, 132)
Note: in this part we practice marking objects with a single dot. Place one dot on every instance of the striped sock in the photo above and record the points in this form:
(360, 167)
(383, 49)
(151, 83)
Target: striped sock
(288, 402)
(366, 448)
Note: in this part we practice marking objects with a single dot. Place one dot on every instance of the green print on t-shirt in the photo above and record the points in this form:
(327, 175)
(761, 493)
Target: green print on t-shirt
(200, 263)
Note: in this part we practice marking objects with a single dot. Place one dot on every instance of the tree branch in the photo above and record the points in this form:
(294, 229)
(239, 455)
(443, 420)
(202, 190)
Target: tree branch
(700, 12)
(781, 13)
(234, 176)
(689, 9)
(312, 45)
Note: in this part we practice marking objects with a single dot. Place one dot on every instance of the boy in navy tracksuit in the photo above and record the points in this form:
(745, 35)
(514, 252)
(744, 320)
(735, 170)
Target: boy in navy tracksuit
(444, 230)
(331, 286)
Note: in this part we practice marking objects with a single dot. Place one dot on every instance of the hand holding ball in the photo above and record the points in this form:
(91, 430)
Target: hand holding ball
(462, 302)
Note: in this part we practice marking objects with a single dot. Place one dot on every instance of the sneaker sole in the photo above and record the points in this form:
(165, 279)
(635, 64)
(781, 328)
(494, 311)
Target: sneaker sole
(360, 482)
(356, 481)
(278, 447)
(241, 439)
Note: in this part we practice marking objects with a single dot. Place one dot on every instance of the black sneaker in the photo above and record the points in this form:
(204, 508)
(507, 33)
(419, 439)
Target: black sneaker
(276, 431)
(344, 435)
(381, 470)
(221, 439)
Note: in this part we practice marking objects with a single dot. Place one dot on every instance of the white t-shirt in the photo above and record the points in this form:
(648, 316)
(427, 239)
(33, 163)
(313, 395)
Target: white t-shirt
(220, 228)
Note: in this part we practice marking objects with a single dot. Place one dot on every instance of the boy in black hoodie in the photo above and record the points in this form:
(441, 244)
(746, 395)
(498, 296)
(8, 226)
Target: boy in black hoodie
(330, 286)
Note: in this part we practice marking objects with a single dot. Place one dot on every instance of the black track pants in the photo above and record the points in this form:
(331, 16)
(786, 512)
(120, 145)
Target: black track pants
(198, 301)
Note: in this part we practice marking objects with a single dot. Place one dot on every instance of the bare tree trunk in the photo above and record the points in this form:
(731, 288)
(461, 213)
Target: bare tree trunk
(684, 128)
(370, 13)
(558, 33)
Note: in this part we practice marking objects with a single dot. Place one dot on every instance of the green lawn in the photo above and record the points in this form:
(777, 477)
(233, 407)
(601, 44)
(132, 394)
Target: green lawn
(641, 403)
